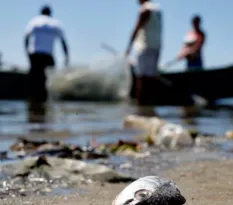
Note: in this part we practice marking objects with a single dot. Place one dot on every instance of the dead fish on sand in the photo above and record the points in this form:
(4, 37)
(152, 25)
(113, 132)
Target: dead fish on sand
(150, 190)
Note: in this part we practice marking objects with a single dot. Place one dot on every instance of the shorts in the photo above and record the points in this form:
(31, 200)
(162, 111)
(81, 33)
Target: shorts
(147, 64)
(37, 76)
(195, 64)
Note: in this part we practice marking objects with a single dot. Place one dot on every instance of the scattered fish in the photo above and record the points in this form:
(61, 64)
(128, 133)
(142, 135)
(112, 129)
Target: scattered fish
(150, 190)
(25, 148)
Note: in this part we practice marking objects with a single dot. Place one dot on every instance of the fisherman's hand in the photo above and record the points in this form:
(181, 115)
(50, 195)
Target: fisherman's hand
(182, 54)
(185, 52)
(28, 55)
(66, 63)
(127, 52)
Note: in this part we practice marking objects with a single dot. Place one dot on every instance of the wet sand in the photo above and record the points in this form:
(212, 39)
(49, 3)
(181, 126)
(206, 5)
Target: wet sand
(202, 183)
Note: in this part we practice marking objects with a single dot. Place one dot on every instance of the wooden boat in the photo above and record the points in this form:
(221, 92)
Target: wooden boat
(210, 84)
(13, 85)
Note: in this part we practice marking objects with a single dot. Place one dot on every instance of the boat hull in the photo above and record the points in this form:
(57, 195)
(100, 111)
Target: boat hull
(210, 84)
(13, 85)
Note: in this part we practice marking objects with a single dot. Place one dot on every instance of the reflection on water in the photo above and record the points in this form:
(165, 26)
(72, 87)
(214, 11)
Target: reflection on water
(79, 121)
(86, 118)
(36, 113)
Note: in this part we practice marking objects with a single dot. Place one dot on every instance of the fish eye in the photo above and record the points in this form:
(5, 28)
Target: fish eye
(142, 194)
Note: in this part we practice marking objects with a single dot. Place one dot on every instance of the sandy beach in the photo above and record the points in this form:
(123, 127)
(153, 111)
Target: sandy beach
(202, 183)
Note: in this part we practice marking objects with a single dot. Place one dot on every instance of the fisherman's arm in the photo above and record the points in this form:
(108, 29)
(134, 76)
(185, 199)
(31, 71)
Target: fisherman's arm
(189, 51)
(66, 51)
(184, 52)
(28, 32)
(142, 20)
(26, 43)
(64, 46)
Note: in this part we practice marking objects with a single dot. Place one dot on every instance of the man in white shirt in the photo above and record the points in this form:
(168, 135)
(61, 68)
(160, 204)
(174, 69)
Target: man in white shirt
(41, 32)
(147, 39)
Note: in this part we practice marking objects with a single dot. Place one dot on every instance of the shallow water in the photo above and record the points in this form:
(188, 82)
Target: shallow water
(77, 122)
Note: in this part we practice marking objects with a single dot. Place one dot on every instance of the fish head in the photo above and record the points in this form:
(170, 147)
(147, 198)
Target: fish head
(150, 190)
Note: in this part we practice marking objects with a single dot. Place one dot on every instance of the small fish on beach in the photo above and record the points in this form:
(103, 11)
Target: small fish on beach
(150, 190)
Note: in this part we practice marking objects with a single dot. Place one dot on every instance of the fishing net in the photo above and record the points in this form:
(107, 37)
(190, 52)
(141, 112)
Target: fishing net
(107, 79)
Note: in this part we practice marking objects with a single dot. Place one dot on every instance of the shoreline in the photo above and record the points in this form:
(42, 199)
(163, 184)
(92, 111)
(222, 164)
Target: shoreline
(202, 183)
(201, 171)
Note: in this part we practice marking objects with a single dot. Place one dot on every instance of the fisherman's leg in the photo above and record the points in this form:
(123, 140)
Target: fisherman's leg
(47, 62)
(36, 79)
(32, 77)
(147, 111)
(33, 88)
(142, 109)
(145, 94)
(41, 80)
(151, 66)
(189, 111)
(138, 78)
(141, 79)
(189, 108)
(146, 106)
(36, 112)
(139, 90)
(132, 93)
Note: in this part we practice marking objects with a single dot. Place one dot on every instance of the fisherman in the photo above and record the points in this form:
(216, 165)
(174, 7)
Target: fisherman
(192, 50)
(41, 32)
(147, 43)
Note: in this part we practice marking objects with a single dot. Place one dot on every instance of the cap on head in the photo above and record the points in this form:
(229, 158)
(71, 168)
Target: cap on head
(46, 10)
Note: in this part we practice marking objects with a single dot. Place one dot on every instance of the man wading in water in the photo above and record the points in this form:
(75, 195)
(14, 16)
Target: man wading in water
(41, 32)
(147, 42)
(192, 50)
